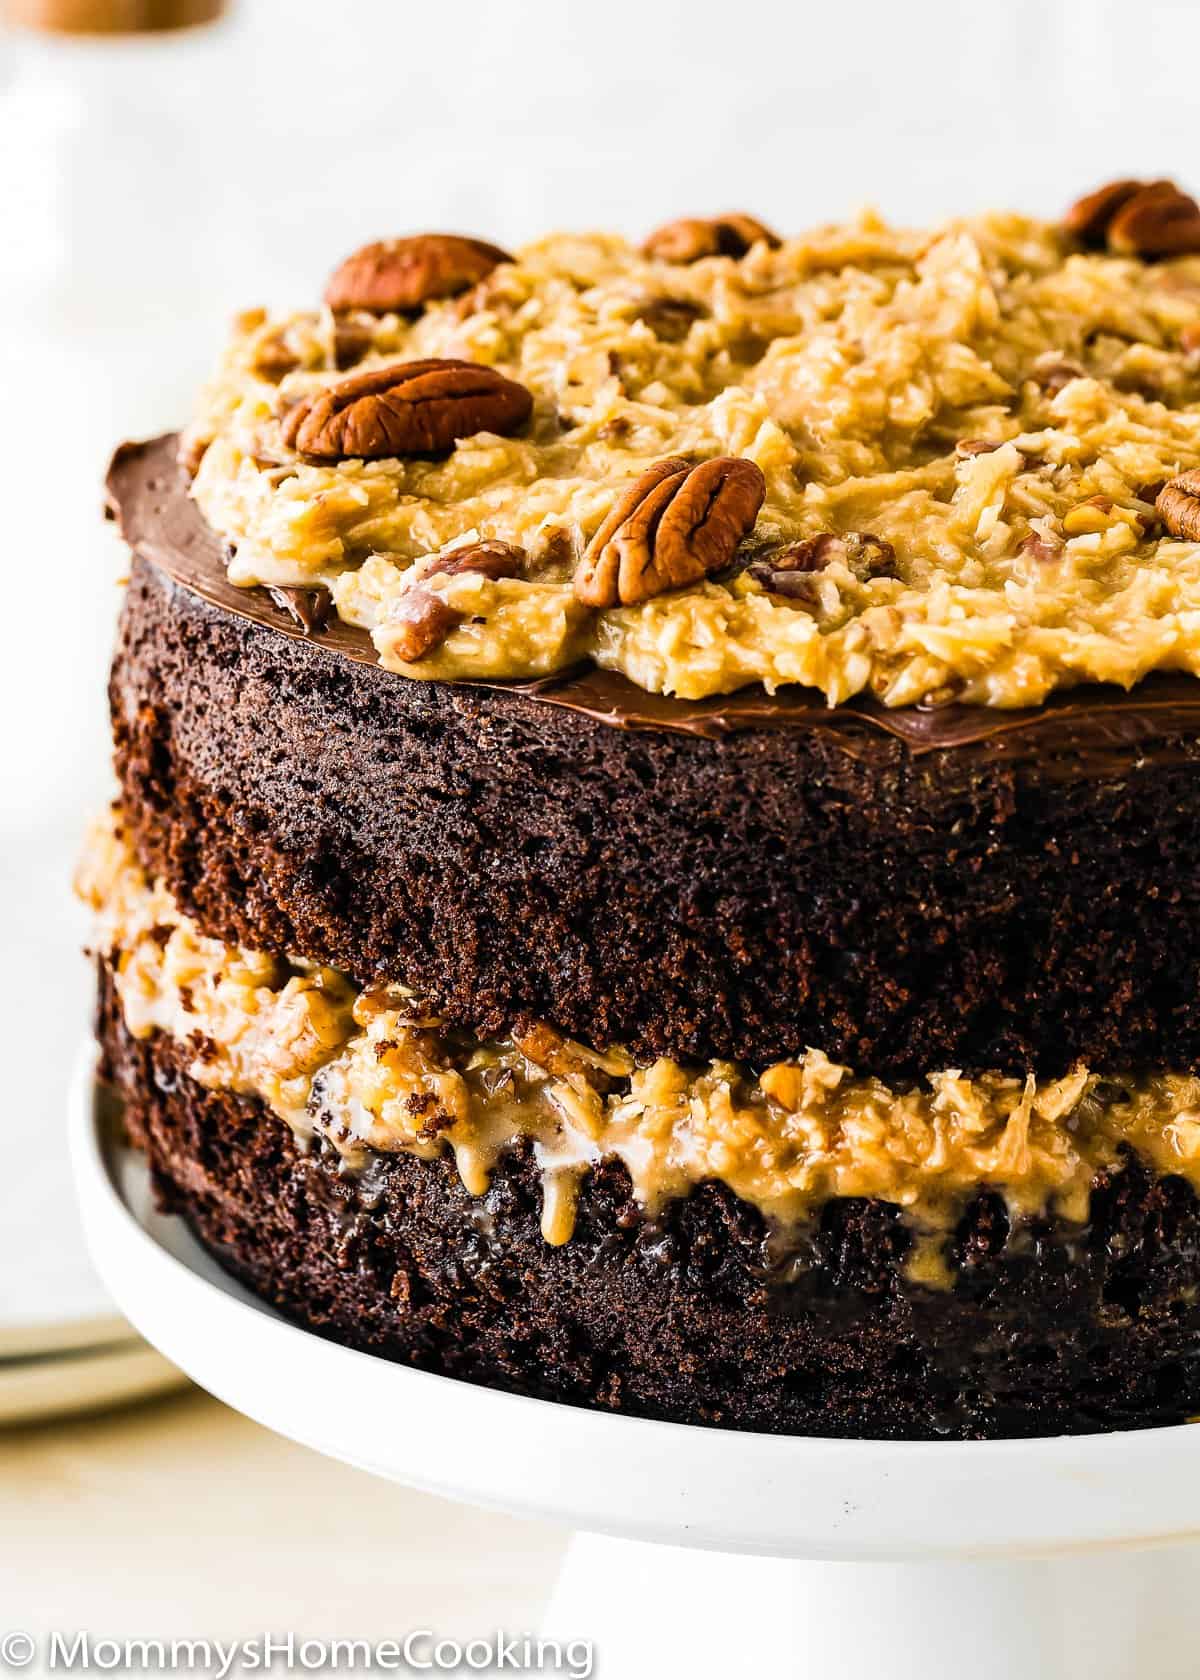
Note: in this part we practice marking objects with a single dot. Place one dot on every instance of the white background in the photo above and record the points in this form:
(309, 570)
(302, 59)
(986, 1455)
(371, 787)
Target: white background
(148, 190)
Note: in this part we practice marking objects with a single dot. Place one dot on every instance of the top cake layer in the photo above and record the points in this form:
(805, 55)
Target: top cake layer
(963, 437)
(738, 878)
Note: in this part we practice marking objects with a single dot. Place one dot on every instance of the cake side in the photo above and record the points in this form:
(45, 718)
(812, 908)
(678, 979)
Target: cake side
(745, 896)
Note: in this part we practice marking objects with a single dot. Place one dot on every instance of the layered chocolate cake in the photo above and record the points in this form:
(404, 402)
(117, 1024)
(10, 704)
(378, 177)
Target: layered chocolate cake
(657, 862)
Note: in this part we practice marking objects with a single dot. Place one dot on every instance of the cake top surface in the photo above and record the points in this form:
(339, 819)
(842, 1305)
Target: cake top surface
(934, 465)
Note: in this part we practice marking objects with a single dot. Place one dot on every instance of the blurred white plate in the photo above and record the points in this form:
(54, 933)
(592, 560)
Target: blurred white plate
(54, 1385)
(63, 1348)
(59, 1336)
(50, 1297)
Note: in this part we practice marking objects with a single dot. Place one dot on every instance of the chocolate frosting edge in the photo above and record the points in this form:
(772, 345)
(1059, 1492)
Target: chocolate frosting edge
(148, 496)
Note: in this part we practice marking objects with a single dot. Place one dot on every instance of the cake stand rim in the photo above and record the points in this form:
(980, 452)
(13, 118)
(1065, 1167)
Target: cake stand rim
(636, 1478)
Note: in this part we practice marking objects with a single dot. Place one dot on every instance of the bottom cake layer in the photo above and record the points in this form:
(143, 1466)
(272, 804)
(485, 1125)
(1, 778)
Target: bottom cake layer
(700, 1314)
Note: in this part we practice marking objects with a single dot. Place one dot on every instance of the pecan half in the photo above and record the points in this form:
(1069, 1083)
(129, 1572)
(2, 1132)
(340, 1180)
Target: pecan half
(693, 237)
(1159, 221)
(1137, 219)
(668, 318)
(1179, 504)
(1089, 217)
(398, 275)
(673, 526)
(422, 620)
(408, 408)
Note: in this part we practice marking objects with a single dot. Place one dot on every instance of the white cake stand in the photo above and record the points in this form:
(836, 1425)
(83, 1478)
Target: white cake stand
(997, 1560)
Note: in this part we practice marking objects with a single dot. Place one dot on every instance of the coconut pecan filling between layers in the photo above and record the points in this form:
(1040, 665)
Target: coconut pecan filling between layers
(378, 1071)
(989, 406)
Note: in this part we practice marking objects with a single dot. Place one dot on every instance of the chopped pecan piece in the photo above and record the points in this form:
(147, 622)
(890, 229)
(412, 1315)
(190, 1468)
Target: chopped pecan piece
(420, 623)
(967, 448)
(1054, 372)
(1137, 219)
(309, 607)
(559, 547)
(787, 570)
(1179, 504)
(351, 341)
(493, 558)
(548, 1049)
(1038, 546)
(273, 359)
(422, 620)
(675, 524)
(496, 1080)
(400, 275)
(408, 408)
(693, 237)
(869, 556)
(946, 695)
(669, 318)
(1098, 514)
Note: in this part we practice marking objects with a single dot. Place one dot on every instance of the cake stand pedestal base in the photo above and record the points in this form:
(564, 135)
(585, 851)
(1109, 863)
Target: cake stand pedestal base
(653, 1612)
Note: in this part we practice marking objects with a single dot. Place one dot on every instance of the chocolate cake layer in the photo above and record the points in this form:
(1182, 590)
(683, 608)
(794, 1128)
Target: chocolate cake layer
(148, 494)
(787, 877)
(700, 1315)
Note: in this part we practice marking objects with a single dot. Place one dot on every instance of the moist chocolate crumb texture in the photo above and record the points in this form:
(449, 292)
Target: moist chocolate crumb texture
(657, 853)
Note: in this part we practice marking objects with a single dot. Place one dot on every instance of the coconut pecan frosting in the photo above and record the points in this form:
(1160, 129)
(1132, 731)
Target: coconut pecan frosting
(959, 463)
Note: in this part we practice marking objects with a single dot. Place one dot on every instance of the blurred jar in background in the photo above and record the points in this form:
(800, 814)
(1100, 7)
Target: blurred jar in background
(113, 225)
(111, 17)
(114, 222)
